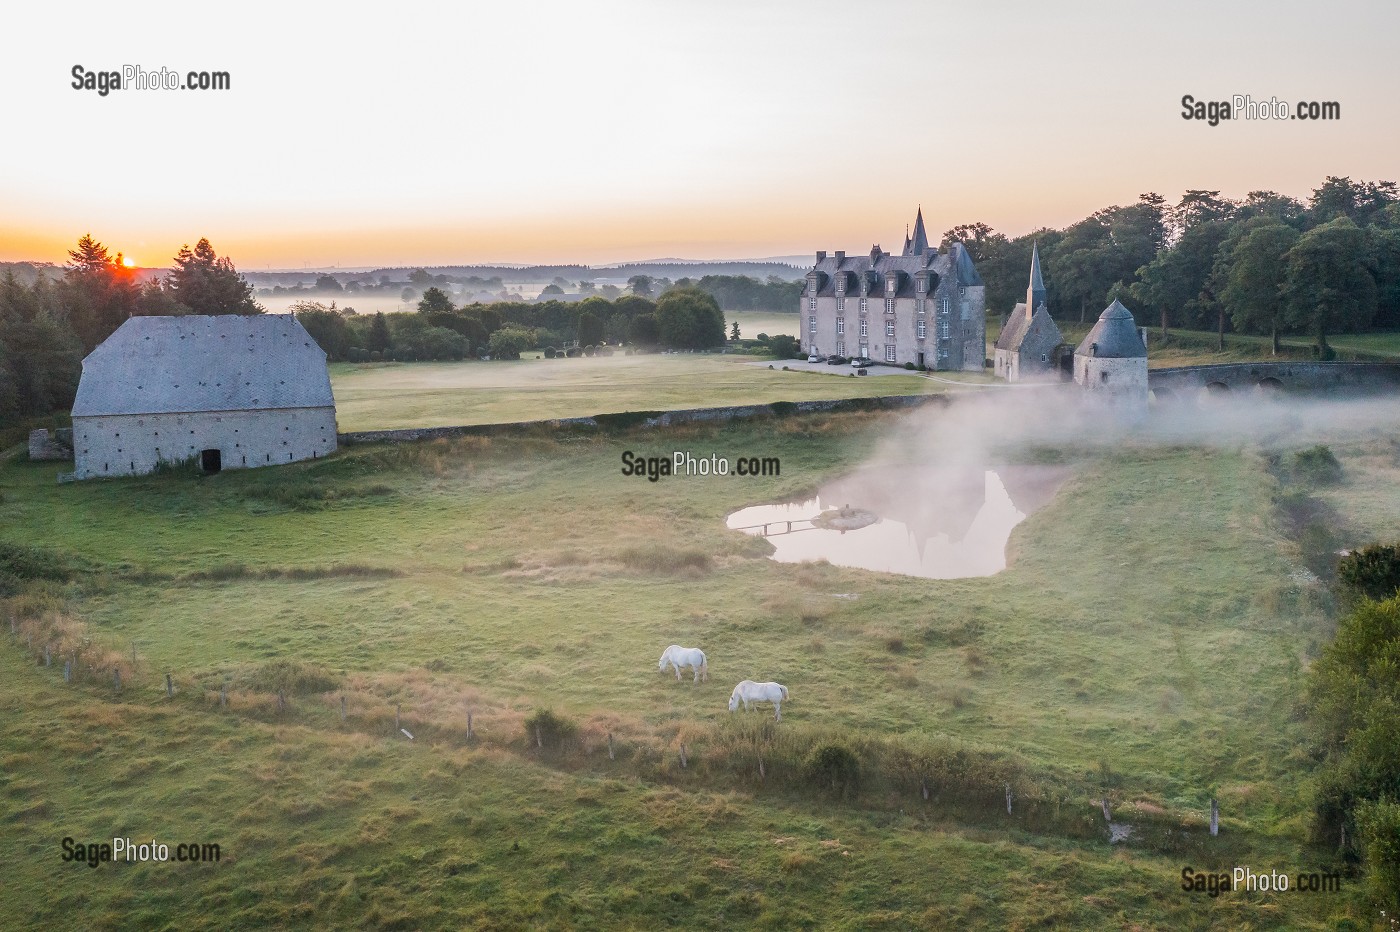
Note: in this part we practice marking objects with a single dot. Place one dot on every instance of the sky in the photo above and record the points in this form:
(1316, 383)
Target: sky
(611, 130)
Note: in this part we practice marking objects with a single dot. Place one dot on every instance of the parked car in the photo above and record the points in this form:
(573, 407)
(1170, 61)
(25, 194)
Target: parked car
(836, 360)
(814, 358)
(860, 362)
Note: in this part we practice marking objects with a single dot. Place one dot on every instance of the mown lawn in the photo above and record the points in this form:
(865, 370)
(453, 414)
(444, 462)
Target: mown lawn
(1147, 643)
(376, 396)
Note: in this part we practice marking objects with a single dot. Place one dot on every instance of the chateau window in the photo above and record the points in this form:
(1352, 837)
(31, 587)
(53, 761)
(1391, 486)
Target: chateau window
(864, 328)
(840, 347)
(919, 305)
(889, 305)
(864, 305)
(1103, 376)
(943, 329)
(812, 324)
(840, 304)
(945, 304)
(889, 330)
(812, 303)
(923, 330)
(889, 352)
(840, 327)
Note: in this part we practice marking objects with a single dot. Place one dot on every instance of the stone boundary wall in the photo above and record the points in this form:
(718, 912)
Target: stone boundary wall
(1371, 376)
(647, 418)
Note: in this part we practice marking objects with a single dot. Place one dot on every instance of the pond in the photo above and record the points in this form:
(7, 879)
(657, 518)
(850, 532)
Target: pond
(938, 523)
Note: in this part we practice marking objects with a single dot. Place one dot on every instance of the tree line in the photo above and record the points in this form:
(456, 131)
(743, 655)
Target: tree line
(48, 325)
(1267, 264)
(683, 317)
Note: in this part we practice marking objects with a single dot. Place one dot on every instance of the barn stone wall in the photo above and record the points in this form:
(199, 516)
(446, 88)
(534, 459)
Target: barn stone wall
(133, 444)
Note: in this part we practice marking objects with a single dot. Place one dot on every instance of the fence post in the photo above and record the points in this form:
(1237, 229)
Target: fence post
(762, 773)
(470, 733)
(923, 786)
(539, 738)
(342, 707)
(1008, 799)
(48, 659)
(281, 701)
(1214, 818)
(169, 687)
(398, 710)
(67, 671)
(223, 695)
(684, 762)
(1107, 816)
(13, 629)
(611, 754)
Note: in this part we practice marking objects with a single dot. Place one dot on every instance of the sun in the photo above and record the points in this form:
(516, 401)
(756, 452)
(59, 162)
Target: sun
(128, 262)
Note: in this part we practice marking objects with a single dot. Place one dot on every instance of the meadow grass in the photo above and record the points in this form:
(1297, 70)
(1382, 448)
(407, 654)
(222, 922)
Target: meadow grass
(376, 396)
(1146, 645)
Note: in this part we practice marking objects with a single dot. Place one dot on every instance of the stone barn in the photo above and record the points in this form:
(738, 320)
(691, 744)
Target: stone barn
(227, 392)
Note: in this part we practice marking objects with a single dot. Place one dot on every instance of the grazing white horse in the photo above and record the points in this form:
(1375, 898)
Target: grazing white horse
(677, 657)
(749, 692)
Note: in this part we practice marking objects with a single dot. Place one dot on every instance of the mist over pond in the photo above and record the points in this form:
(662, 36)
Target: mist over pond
(935, 523)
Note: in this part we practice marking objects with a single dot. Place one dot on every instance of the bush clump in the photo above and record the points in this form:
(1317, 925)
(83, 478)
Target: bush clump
(834, 767)
(293, 677)
(1372, 572)
(1317, 466)
(545, 728)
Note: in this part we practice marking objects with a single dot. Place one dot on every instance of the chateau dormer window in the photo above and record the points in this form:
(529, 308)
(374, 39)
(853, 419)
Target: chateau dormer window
(864, 305)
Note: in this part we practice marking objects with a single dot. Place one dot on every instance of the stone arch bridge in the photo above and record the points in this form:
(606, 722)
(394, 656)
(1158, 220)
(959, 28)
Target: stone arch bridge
(1189, 382)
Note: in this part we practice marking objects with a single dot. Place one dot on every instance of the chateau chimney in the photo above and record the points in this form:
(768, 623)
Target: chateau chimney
(840, 254)
(821, 254)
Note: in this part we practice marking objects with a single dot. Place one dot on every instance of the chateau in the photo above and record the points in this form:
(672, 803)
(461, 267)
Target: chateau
(924, 306)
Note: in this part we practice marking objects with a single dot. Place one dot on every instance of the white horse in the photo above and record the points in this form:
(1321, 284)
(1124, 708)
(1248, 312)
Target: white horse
(677, 657)
(749, 692)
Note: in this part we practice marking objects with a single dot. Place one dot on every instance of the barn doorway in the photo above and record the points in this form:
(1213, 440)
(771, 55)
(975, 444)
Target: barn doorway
(211, 461)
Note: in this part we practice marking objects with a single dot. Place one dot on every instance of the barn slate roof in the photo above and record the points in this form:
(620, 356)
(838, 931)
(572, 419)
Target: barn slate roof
(1115, 336)
(179, 365)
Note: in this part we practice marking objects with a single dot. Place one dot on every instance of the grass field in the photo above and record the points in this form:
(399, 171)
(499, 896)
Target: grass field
(384, 395)
(1146, 644)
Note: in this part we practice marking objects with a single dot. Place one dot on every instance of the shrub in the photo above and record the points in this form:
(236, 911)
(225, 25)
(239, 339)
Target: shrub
(1379, 827)
(544, 727)
(1373, 572)
(835, 767)
(909, 366)
(784, 347)
(292, 677)
(763, 338)
(1317, 466)
(375, 356)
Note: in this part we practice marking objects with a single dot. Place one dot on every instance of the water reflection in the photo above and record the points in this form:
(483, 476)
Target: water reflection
(938, 524)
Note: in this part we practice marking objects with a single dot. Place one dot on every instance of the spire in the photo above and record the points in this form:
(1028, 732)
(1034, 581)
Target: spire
(1035, 291)
(919, 242)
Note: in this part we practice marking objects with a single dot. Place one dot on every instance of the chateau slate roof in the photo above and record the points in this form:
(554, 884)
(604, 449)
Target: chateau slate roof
(178, 365)
(1115, 336)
